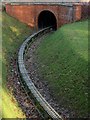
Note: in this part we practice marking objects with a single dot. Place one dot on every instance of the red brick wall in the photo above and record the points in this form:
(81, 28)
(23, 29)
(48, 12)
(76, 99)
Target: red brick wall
(65, 14)
(85, 11)
(24, 13)
(29, 13)
(77, 12)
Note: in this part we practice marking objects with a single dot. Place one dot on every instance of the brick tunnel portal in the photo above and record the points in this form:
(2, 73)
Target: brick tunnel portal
(47, 18)
(38, 16)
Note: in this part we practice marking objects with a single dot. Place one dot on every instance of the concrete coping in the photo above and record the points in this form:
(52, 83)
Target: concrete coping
(44, 3)
(53, 114)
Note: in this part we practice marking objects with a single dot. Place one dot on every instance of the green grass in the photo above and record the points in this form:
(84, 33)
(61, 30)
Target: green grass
(0, 64)
(63, 63)
(13, 34)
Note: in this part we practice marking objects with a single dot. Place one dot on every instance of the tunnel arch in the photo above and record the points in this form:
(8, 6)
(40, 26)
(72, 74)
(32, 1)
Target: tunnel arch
(47, 18)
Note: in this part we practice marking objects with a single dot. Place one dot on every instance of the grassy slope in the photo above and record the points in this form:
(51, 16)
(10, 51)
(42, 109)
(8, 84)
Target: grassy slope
(13, 35)
(0, 63)
(63, 61)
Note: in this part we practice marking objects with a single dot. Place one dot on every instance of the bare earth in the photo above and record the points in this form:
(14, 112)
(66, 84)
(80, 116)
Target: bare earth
(14, 85)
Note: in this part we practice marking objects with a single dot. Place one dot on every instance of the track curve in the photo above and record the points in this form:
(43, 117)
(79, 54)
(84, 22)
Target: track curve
(24, 74)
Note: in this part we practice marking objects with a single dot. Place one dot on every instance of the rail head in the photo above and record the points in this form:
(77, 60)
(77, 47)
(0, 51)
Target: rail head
(53, 114)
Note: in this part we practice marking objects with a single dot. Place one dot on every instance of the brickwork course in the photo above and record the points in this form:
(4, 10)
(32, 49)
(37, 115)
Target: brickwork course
(46, 0)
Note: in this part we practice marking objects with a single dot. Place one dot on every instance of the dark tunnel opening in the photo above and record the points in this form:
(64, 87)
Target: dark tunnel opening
(46, 19)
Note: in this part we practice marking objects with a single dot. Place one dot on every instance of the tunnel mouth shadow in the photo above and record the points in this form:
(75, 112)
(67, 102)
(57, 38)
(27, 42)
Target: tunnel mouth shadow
(47, 18)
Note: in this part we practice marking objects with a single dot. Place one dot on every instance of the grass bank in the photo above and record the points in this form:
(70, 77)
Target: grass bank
(13, 34)
(63, 62)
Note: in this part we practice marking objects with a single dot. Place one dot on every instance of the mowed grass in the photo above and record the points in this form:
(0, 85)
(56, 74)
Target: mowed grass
(63, 63)
(13, 34)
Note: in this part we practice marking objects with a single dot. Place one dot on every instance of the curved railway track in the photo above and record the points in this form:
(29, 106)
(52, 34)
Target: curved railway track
(28, 82)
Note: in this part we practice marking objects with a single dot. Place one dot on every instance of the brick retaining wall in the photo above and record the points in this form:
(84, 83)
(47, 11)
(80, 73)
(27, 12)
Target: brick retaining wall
(28, 13)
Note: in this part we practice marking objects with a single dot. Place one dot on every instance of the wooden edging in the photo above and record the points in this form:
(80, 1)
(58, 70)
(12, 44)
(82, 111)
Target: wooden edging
(29, 82)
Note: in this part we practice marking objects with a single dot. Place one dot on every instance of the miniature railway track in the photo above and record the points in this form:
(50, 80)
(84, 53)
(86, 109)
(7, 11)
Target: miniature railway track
(28, 84)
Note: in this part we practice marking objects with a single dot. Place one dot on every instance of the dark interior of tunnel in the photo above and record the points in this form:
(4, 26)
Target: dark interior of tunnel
(46, 19)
